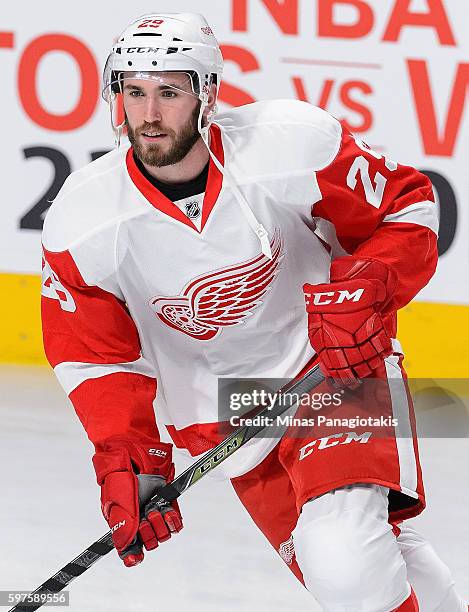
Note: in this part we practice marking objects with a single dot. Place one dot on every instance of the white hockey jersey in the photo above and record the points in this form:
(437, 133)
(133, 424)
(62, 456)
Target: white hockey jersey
(143, 311)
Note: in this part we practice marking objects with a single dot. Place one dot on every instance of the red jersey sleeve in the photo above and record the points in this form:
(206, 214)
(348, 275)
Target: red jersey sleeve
(93, 345)
(381, 210)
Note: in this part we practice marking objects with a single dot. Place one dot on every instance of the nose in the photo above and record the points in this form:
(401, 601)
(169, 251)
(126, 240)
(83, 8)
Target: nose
(152, 109)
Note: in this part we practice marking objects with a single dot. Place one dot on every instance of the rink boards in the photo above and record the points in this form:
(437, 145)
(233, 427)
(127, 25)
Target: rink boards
(434, 336)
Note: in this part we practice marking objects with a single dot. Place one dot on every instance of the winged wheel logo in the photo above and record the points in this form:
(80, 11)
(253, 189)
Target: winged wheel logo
(221, 298)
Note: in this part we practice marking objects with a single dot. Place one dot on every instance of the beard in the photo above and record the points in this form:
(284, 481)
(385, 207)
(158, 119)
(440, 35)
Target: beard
(182, 141)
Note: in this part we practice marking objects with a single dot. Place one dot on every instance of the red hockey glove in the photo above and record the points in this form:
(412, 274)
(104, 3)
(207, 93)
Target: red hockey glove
(128, 473)
(344, 318)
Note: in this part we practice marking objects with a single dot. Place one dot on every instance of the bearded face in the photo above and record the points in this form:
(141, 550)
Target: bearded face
(158, 144)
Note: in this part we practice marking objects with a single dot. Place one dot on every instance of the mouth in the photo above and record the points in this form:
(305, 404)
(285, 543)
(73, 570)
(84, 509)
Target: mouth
(153, 136)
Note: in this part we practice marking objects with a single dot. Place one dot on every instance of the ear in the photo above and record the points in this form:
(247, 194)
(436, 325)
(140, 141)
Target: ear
(212, 98)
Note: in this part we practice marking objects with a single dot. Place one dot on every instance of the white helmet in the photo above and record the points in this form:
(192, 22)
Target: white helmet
(165, 42)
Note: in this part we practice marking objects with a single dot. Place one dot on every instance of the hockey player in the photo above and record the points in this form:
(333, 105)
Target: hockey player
(181, 259)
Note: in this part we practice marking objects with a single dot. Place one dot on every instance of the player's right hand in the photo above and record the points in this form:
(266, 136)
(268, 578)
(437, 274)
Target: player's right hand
(129, 472)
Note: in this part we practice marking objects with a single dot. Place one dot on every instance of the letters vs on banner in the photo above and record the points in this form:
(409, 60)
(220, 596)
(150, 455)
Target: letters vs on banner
(398, 75)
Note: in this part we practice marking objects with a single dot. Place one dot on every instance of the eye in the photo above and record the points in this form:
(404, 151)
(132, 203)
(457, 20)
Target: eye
(169, 93)
(135, 93)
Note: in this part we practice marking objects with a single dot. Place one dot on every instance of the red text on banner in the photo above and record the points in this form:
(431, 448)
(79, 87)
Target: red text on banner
(434, 143)
(286, 15)
(36, 50)
(435, 18)
(247, 62)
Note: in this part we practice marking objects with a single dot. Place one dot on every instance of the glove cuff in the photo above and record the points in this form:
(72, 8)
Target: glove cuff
(363, 268)
(119, 454)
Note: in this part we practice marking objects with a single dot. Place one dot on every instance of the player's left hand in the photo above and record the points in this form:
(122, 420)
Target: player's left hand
(345, 323)
(130, 471)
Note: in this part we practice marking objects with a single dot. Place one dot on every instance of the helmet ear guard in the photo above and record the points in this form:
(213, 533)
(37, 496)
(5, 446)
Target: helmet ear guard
(117, 129)
(115, 84)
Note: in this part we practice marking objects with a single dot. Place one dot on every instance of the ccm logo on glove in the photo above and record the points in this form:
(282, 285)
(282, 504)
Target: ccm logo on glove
(117, 526)
(333, 297)
(157, 452)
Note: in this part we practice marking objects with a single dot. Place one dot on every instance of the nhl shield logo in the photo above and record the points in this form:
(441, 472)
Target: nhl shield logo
(192, 209)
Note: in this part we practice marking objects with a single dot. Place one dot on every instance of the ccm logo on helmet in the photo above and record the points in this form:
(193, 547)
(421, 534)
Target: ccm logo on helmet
(334, 297)
(142, 50)
(334, 440)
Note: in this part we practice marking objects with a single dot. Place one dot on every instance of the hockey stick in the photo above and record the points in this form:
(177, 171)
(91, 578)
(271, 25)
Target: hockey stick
(172, 491)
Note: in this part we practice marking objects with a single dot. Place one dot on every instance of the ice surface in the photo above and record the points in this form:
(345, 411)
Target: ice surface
(49, 512)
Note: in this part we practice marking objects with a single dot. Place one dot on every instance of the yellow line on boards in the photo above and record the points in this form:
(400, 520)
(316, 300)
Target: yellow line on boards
(435, 337)
(20, 319)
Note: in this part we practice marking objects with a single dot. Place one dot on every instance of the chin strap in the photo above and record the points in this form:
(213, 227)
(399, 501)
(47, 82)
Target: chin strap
(256, 227)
